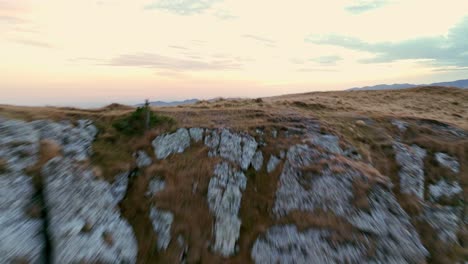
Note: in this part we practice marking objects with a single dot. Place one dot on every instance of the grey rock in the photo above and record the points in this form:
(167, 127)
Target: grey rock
(162, 222)
(224, 200)
(285, 244)
(249, 148)
(274, 133)
(444, 189)
(234, 147)
(227, 231)
(212, 141)
(76, 200)
(230, 146)
(21, 237)
(448, 161)
(154, 186)
(272, 163)
(329, 143)
(19, 144)
(411, 161)
(119, 186)
(142, 159)
(257, 160)
(445, 220)
(384, 223)
(76, 141)
(282, 154)
(196, 134)
(168, 144)
(401, 125)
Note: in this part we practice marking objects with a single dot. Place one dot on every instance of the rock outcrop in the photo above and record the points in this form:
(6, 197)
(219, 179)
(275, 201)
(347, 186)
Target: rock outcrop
(410, 159)
(21, 235)
(142, 159)
(444, 189)
(84, 225)
(257, 160)
(162, 222)
(168, 144)
(272, 163)
(448, 161)
(383, 224)
(224, 200)
(196, 134)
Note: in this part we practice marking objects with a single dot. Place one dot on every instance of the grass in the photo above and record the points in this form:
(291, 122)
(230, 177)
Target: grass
(337, 113)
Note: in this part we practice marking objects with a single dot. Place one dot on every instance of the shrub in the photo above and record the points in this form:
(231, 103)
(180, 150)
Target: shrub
(135, 123)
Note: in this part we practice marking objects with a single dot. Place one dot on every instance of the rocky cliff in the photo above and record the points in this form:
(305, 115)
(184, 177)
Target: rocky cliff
(391, 190)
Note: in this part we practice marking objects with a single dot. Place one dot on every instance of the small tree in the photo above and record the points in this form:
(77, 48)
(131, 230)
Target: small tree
(141, 120)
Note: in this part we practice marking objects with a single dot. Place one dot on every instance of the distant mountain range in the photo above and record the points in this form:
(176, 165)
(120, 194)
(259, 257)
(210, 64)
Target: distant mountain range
(171, 103)
(459, 84)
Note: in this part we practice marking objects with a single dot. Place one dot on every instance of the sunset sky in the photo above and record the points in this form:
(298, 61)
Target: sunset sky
(94, 52)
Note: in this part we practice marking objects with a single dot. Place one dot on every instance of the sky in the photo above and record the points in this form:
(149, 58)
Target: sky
(94, 52)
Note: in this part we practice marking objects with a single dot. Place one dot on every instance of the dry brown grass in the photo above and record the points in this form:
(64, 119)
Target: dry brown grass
(337, 113)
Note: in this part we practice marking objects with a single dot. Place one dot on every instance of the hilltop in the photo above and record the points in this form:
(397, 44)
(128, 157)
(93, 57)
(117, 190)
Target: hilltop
(321, 177)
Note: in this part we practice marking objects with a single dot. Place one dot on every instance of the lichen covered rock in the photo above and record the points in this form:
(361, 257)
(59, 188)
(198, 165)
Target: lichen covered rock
(444, 189)
(162, 222)
(21, 236)
(142, 159)
(168, 144)
(410, 159)
(19, 144)
(448, 161)
(272, 163)
(257, 160)
(84, 224)
(331, 189)
(224, 200)
(196, 134)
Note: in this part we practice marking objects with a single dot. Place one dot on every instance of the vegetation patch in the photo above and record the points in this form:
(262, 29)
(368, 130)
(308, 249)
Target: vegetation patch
(142, 119)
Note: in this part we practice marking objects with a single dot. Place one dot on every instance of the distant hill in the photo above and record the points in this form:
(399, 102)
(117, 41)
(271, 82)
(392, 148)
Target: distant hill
(459, 84)
(172, 103)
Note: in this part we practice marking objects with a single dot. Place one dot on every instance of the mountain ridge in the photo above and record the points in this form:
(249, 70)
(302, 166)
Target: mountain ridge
(463, 84)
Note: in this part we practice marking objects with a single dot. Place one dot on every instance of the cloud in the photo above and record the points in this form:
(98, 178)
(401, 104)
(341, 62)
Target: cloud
(182, 7)
(12, 20)
(267, 42)
(34, 43)
(178, 47)
(224, 15)
(366, 5)
(445, 50)
(316, 70)
(156, 61)
(327, 60)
